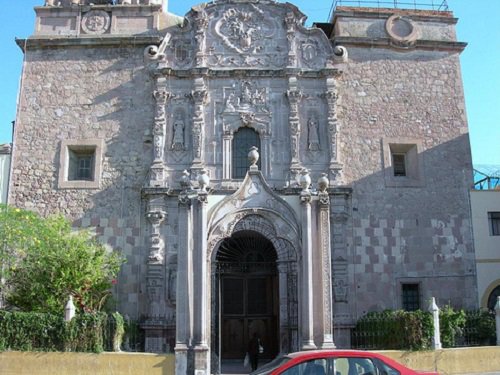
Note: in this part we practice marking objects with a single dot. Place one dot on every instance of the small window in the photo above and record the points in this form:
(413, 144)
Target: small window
(81, 165)
(494, 222)
(399, 164)
(411, 297)
(403, 162)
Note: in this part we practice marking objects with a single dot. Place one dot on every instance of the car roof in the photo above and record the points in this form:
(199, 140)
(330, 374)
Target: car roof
(332, 352)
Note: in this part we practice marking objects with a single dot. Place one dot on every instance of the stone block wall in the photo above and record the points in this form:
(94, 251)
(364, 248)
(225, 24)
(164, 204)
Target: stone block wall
(79, 94)
(406, 230)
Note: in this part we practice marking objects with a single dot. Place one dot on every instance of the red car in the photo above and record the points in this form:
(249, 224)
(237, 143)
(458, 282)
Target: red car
(335, 362)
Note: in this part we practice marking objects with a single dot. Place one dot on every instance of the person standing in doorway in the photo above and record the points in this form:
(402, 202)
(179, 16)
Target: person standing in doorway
(253, 351)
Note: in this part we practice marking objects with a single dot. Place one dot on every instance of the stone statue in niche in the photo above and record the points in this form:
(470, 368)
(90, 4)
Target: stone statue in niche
(178, 133)
(231, 103)
(313, 137)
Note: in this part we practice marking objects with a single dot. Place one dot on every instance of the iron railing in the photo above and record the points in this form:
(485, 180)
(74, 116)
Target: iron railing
(483, 181)
(437, 5)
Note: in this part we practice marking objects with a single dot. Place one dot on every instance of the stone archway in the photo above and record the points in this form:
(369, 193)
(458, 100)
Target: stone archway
(260, 222)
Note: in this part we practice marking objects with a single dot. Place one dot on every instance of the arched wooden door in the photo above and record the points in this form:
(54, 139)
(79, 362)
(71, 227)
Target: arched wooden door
(248, 282)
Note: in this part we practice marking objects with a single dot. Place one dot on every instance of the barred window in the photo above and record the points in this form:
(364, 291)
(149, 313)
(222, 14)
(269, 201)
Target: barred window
(399, 164)
(411, 297)
(243, 139)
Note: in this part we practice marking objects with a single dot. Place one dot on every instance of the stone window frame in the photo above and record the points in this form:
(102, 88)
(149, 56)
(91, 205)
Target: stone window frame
(68, 145)
(414, 164)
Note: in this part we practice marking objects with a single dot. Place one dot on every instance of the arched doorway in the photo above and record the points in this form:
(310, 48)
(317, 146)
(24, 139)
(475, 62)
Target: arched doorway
(248, 294)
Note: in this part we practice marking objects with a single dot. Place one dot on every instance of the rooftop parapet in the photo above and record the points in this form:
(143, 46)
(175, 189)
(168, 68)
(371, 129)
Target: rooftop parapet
(404, 25)
(100, 18)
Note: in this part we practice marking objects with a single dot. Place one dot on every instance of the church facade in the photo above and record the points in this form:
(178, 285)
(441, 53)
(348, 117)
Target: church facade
(259, 176)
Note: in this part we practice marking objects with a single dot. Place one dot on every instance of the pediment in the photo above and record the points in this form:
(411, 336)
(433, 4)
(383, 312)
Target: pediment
(235, 34)
(253, 196)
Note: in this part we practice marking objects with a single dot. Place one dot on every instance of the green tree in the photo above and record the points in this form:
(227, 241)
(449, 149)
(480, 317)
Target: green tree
(44, 261)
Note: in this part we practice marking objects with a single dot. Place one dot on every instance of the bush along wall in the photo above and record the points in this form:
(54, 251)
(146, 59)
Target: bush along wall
(88, 332)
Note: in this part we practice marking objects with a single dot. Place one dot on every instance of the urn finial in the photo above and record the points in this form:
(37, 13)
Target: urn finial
(253, 156)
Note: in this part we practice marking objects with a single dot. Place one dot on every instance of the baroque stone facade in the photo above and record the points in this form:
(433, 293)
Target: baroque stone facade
(354, 198)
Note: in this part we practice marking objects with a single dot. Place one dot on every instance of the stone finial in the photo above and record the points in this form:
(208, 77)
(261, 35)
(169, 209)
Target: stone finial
(69, 310)
(305, 180)
(253, 156)
(203, 180)
(323, 182)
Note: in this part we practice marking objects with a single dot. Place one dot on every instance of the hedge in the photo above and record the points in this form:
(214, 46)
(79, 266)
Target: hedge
(89, 332)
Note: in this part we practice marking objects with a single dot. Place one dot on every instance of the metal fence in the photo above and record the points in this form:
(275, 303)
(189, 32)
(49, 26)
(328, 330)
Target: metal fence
(390, 332)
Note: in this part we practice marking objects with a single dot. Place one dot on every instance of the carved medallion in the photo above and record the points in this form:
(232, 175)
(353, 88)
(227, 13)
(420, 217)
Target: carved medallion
(402, 31)
(96, 22)
(245, 31)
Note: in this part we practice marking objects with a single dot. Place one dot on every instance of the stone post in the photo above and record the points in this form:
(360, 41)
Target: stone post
(307, 279)
(69, 310)
(497, 319)
(201, 280)
(436, 339)
(326, 261)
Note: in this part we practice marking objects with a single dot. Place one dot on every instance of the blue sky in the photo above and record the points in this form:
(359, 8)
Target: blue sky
(478, 25)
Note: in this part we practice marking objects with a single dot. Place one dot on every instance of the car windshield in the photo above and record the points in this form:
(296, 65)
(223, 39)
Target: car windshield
(266, 369)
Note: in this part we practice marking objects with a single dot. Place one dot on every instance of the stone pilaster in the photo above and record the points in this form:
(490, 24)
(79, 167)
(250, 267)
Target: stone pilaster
(201, 21)
(157, 171)
(155, 322)
(294, 95)
(184, 306)
(333, 130)
(201, 286)
(307, 277)
(324, 242)
(199, 96)
(342, 318)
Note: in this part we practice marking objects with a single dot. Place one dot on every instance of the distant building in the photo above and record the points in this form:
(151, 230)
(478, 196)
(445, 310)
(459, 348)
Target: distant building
(138, 124)
(5, 156)
(485, 206)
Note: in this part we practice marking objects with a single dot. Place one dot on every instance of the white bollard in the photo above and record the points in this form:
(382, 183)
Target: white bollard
(69, 310)
(436, 339)
(497, 319)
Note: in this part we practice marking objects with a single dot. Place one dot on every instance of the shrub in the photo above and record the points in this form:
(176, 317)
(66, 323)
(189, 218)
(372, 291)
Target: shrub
(48, 332)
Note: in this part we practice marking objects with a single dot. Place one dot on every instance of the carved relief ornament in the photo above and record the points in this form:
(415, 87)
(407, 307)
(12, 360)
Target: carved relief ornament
(95, 22)
(245, 30)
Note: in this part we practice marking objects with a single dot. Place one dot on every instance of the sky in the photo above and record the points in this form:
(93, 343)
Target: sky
(478, 25)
